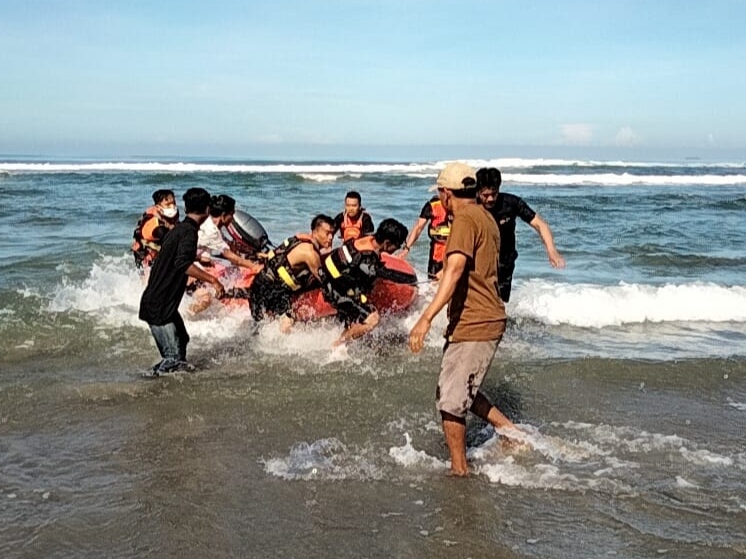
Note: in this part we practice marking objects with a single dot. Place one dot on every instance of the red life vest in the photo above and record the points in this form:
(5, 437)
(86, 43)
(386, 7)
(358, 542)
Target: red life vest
(440, 223)
(352, 229)
(440, 229)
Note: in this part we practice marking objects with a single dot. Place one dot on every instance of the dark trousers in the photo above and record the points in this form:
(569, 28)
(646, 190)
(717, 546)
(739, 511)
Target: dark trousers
(171, 339)
(505, 279)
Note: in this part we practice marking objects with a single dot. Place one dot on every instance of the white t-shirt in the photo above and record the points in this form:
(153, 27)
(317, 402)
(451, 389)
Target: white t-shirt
(210, 240)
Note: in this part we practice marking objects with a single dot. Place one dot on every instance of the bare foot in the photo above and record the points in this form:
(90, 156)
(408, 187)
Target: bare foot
(457, 473)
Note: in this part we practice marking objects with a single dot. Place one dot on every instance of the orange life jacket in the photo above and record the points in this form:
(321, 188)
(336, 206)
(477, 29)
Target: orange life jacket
(145, 246)
(440, 229)
(440, 223)
(352, 229)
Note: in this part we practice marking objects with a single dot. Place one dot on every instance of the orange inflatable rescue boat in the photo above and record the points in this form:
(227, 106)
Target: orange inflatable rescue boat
(394, 291)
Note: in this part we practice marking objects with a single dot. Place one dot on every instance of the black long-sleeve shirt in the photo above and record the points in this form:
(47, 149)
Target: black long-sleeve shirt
(167, 282)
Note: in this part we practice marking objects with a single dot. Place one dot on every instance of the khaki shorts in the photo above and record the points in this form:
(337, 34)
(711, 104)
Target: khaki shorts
(462, 370)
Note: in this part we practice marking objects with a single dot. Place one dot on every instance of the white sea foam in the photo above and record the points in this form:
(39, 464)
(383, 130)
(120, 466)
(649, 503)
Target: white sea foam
(740, 406)
(703, 457)
(327, 459)
(406, 455)
(562, 461)
(684, 484)
(111, 294)
(320, 177)
(597, 306)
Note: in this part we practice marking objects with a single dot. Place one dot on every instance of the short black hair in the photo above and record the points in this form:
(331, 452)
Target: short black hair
(489, 177)
(196, 201)
(355, 195)
(160, 195)
(391, 230)
(464, 193)
(221, 205)
(321, 218)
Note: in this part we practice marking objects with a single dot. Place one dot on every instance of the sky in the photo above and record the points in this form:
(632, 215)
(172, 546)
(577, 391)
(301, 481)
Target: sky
(231, 78)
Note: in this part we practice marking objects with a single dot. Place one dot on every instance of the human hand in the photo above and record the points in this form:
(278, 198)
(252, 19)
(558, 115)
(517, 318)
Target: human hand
(418, 333)
(219, 289)
(556, 260)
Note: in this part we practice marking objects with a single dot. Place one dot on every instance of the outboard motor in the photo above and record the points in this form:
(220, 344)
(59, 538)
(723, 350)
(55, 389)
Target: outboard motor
(247, 234)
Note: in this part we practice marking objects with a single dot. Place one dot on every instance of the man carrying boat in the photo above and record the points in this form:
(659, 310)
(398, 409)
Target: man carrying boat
(291, 268)
(349, 272)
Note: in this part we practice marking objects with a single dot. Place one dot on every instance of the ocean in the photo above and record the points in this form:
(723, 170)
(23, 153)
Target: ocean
(627, 370)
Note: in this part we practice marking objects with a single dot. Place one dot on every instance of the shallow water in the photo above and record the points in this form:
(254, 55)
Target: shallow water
(627, 371)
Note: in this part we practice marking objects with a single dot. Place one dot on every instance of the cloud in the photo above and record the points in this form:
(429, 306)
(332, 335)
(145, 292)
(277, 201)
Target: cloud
(576, 134)
(626, 137)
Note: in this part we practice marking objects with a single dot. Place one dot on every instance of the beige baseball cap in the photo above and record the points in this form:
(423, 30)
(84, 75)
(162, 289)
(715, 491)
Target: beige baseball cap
(454, 177)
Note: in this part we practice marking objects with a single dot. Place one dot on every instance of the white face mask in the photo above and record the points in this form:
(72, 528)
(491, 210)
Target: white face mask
(170, 212)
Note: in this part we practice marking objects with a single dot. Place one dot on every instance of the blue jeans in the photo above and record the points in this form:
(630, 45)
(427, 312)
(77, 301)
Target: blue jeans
(172, 340)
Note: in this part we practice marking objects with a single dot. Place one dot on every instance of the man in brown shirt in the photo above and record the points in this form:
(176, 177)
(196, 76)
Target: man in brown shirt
(476, 314)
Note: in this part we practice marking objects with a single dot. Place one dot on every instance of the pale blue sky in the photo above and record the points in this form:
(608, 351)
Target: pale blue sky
(220, 78)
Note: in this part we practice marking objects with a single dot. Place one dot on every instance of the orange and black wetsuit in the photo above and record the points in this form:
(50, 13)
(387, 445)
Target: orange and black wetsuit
(349, 273)
(272, 289)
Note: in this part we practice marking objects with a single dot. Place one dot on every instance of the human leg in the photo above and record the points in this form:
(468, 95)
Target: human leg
(486, 410)
(166, 337)
(182, 335)
(435, 261)
(505, 279)
(454, 429)
(463, 368)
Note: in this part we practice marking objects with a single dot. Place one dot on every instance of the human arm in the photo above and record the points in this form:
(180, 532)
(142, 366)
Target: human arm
(338, 224)
(545, 232)
(198, 273)
(454, 268)
(414, 234)
(367, 226)
(237, 260)
(305, 254)
(359, 329)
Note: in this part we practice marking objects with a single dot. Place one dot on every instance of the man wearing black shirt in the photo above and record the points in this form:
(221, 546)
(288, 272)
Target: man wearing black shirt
(159, 305)
(505, 208)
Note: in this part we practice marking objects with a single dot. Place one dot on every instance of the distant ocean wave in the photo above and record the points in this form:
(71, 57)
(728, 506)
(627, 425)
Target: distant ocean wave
(329, 172)
(156, 167)
(415, 169)
(625, 179)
